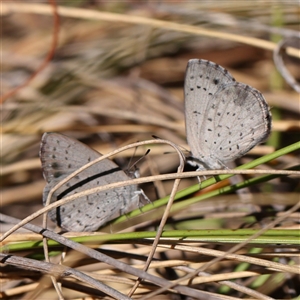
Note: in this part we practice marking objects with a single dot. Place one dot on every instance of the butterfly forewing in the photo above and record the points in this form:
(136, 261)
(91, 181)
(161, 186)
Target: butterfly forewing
(203, 79)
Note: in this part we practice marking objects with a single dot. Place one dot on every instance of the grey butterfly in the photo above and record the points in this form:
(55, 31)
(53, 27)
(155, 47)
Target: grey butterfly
(60, 156)
(224, 119)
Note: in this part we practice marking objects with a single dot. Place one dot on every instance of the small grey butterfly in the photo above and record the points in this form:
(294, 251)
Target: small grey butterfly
(224, 119)
(60, 156)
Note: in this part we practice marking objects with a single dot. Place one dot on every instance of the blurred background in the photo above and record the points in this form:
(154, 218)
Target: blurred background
(117, 79)
(111, 82)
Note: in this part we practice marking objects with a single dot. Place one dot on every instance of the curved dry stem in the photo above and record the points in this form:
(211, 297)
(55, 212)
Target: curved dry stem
(139, 181)
(164, 218)
(277, 56)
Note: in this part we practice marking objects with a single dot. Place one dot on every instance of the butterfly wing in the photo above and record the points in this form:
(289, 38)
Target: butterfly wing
(224, 118)
(61, 156)
(239, 121)
(203, 79)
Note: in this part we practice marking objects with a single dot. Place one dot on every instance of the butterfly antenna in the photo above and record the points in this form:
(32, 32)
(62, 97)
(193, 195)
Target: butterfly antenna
(136, 162)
